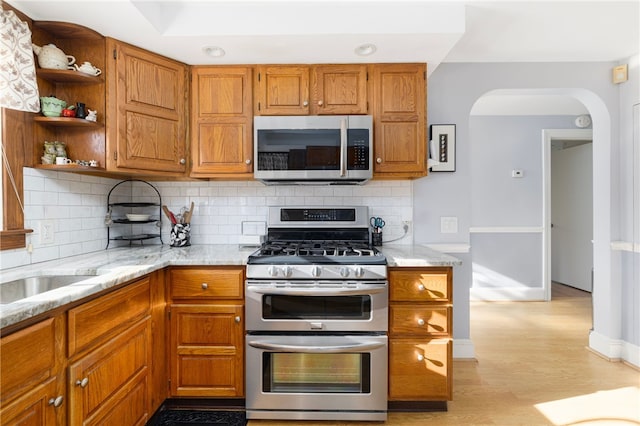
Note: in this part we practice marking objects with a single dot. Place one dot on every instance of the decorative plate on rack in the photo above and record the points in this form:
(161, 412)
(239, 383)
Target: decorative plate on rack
(138, 217)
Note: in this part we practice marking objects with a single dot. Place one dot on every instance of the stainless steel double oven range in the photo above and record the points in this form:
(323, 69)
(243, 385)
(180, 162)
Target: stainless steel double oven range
(316, 318)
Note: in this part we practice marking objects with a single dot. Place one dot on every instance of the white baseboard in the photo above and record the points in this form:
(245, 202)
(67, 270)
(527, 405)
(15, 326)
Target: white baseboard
(507, 293)
(614, 349)
(463, 349)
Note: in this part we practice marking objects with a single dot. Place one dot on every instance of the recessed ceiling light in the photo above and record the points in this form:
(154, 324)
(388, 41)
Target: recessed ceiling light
(366, 49)
(213, 51)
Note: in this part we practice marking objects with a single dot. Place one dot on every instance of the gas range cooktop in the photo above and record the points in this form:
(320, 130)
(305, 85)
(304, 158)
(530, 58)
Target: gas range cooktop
(318, 235)
(317, 251)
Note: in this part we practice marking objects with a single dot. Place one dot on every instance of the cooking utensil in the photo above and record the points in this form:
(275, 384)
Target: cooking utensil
(377, 223)
(169, 214)
(187, 217)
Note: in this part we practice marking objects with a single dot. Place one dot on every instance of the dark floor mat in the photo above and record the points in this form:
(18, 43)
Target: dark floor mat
(199, 418)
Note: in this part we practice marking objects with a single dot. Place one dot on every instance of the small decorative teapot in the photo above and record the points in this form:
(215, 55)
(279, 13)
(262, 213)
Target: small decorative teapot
(87, 68)
(51, 57)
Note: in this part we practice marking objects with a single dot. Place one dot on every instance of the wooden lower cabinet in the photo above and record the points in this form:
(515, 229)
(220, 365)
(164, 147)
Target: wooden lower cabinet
(206, 350)
(110, 358)
(420, 334)
(32, 379)
(420, 369)
(110, 385)
(206, 353)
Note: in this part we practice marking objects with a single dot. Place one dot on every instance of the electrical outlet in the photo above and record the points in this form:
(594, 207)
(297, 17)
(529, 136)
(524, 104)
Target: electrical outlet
(449, 225)
(46, 231)
(406, 225)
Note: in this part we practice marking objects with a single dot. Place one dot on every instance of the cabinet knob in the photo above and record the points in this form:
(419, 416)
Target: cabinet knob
(82, 383)
(183, 161)
(378, 160)
(238, 319)
(247, 161)
(420, 321)
(57, 401)
(420, 357)
(204, 286)
(421, 287)
(305, 103)
(320, 103)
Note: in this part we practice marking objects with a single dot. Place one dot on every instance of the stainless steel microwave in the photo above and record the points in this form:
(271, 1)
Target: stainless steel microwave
(326, 149)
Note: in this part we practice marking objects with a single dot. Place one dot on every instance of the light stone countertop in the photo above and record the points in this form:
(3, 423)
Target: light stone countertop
(116, 266)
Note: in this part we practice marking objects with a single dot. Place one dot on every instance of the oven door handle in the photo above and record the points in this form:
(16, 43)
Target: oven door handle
(358, 347)
(289, 291)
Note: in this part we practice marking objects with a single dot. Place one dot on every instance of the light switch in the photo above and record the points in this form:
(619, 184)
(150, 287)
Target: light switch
(448, 224)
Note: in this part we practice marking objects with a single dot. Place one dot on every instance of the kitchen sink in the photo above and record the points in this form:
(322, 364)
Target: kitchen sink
(25, 287)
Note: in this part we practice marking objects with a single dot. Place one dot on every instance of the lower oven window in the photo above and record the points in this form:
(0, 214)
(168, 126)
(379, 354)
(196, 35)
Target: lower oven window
(316, 307)
(316, 373)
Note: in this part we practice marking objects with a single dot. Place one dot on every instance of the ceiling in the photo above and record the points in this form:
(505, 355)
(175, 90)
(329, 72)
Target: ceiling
(435, 32)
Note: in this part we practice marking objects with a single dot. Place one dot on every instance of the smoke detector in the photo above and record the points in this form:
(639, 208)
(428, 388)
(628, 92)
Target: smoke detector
(583, 121)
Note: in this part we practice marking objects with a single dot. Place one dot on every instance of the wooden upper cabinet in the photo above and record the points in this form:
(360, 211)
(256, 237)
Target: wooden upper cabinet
(400, 142)
(221, 122)
(147, 111)
(339, 89)
(282, 90)
(311, 89)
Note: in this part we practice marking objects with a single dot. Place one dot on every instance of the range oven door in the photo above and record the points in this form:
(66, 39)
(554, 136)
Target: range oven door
(318, 306)
(316, 377)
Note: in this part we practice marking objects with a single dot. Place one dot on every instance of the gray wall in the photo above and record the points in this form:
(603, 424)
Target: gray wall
(453, 89)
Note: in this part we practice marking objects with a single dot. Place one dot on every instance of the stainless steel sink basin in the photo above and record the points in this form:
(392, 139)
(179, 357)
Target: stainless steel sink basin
(19, 289)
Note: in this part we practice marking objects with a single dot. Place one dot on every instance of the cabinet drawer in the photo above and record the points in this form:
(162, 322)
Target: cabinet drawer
(106, 316)
(112, 374)
(28, 357)
(433, 284)
(420, 369)
(207, 283)
(420, 320)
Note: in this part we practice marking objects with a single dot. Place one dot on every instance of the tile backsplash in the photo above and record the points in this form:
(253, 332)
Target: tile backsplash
(75, 207)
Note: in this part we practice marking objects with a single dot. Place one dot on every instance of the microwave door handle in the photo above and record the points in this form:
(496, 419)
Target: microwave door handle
(343, 147)
(288, 291)
(364, 346)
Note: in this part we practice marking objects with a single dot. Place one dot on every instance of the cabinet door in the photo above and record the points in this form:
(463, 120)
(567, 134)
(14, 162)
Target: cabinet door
(420, 369)
(207, 352)
(147, 122)
(222, 122)
(37, 344)
(35, 408)
(339, 89)
(282, 90)
(109, 385)
(400, 120)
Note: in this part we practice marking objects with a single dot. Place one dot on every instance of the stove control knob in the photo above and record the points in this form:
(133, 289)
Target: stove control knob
(287, 271)
(359, 272)
(344, 272)
(273, 271)
(316, 271)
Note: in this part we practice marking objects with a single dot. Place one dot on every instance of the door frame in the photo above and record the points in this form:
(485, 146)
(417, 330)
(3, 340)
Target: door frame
(547, 136)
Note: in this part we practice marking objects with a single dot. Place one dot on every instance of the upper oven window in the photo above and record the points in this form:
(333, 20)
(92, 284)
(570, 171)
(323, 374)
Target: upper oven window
(283, 307)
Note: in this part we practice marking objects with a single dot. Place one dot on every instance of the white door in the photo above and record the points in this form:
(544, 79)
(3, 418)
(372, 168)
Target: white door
(572, 213)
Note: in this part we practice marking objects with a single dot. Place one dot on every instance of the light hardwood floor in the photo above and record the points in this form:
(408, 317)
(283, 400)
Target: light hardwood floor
(532, 367)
